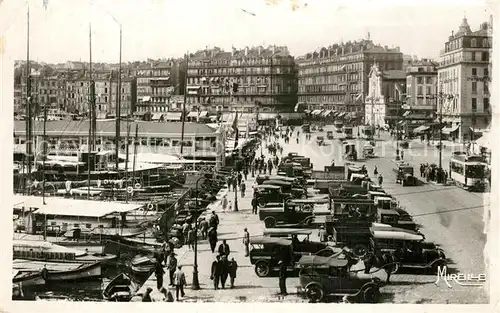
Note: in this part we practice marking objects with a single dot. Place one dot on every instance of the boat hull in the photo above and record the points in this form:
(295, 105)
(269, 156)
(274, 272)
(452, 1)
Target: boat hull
(26, 280)
(87, 271)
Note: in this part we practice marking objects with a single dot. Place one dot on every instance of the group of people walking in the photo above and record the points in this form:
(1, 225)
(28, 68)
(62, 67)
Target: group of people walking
(433, 173)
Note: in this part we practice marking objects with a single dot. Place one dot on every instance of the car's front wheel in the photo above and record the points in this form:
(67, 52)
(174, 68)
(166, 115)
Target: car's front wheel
(262, 269)
(315, 293)
(371, 294)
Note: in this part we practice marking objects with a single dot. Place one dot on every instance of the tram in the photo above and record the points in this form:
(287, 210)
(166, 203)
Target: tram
(468, 171)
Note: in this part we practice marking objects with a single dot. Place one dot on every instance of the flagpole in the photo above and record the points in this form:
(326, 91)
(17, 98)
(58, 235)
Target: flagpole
(184, 105)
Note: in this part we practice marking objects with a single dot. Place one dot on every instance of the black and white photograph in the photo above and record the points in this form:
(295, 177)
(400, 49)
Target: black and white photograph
(250, 151)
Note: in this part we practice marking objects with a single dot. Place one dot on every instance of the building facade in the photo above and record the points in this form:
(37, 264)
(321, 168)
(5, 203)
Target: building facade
(247, 80)
(336, 77)
(383, 103)
(464, 81)
(157, 82)
(421, 93)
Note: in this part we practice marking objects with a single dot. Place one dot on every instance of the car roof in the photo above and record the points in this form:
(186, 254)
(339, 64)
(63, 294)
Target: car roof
(281, 177)
(277, 182)
(268, 186)
(396, 235)
(314, 260)
(309, 201)
(271, 240)
(290, 231)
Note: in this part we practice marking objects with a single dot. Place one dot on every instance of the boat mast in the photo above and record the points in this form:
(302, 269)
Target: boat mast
(91, 113)
(44, 156)
(28, 103)
(135, 152)
(126, 158)
(118, 102)
(184, 104)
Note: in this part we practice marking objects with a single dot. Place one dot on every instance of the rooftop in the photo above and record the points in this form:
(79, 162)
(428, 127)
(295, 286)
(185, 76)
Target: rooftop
(107, 128)
(72, 207)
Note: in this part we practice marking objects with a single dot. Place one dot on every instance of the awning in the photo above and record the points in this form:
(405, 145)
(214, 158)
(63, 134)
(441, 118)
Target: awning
(173, 116)
(192, 114)
(102, 115)
(406, 113)
(307, 111)
(267, 116)
(421, 129)
(341, 114)
(485, 140)
(449, 130)
(479, 130)
(146, 99)
(156, 116)
(203, 113)
(326, 113)
(316, 112)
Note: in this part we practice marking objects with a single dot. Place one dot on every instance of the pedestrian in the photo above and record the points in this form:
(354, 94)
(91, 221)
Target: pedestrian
(254, 204)
(240, 178)
(264, 168)
(216, 272)
(445, 177)
(171, 266)
(147, 296)
(214, 220)
(159, 272)
(282, 277)
(192, 233)
(224, 248)
(380, 179)
(245, 172)
(212, 238)
(224, 270)
(204, 228)
(402, 154)
(185, 230)
(323, 235)
(180, 282)
(246, 241)
(243, 188)
(230, 205)
(235, 184)
(375, 171)
(224, 203)
(229, 183)
(233, 267)
(167, 295)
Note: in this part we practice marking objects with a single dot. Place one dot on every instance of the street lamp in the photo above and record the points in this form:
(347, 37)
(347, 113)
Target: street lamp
(196, 282)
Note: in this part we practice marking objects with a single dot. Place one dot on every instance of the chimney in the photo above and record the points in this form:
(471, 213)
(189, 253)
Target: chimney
(233, 51)
(260, 49)
(342, 50)
(274, 49)
(246, 51)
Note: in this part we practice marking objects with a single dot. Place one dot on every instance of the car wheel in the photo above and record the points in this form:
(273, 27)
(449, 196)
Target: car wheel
(395, 268)
(315, 293)
(360, 250)
(262, 269)
(303, 196)
(270, 222)
(371, 294)
(261, 202)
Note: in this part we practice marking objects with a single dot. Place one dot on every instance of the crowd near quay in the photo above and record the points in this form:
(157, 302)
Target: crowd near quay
(280, 222)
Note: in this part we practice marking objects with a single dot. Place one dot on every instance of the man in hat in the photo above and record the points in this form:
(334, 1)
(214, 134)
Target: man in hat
(246, 241)
(147, 296)
(171, 266)
(214, 220)
(204, 228)
(224, 248)
(282, 277)
(159, 272)
(212, 238)
(180, 282)
(216, 272)
(233, 267)
(224, 264)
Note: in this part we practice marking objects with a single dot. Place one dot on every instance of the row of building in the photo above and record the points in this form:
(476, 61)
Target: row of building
(374, 83)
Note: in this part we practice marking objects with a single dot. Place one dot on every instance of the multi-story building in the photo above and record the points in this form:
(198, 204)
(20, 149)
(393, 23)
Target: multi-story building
(463, 81)
(157, 83)
(247, 80)
(421, 91)
(336, 77)
(385, 95)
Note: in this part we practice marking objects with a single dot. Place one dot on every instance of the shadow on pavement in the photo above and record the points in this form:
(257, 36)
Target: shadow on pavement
(408, 283)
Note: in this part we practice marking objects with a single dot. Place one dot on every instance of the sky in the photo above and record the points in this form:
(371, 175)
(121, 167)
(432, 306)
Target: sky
(169, 28)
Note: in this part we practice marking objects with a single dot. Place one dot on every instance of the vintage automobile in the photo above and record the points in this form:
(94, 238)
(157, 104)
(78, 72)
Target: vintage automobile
(266, 252)
(395, 219)
(291, 170)
(405, 174)
(270, 193)
(326, 276)
(310, 222)
(287, 187)
(368, 151)
(409, 248)
(293, 211)
(329, 135)
(320, 140)
(350, 152)
(300, 240)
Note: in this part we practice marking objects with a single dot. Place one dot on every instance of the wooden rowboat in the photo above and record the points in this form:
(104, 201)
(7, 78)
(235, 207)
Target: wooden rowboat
(120, 289)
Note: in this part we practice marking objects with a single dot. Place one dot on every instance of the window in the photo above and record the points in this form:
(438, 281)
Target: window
(486, 72)
(428, 80)
(474, 87)
(457, 168)
(486, 104)
(88, 225)
(474, 171)
(474, 104)
(485, 88)
(419, 90)
(429, 90)
(420, 80)
(473, 43)
(474, 71)
(76, 225)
